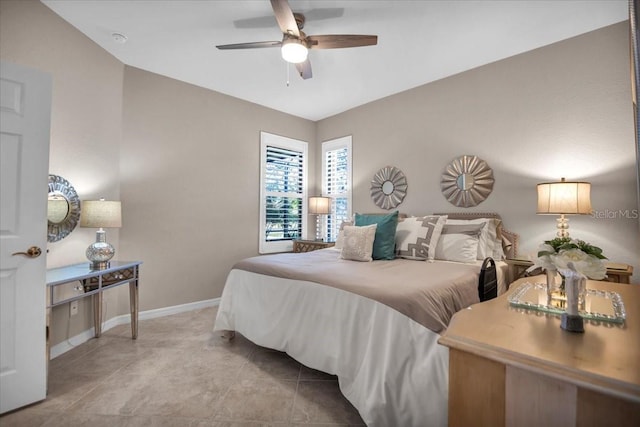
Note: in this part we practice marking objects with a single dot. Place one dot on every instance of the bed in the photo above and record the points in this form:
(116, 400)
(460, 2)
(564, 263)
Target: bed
(374, 325)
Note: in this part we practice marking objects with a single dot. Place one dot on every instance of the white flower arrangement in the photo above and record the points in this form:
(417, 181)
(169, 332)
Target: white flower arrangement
(587, 259)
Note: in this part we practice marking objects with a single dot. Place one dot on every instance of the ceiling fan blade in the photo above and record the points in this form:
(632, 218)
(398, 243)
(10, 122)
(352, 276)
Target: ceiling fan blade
(285, 18)
(258, 22)
(304, 68)
(253, 45)
(268, 21)
(324, 13)
(336, 41)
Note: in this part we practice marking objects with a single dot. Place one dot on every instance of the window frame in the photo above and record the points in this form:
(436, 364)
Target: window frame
(273, 140)
(331, 145)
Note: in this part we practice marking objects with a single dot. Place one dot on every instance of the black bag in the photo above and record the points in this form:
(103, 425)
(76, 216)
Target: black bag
(488, 280)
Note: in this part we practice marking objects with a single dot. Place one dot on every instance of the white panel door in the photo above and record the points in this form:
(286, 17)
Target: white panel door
(25, 115)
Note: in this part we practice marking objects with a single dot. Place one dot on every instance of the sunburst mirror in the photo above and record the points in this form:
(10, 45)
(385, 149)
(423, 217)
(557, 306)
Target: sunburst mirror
(388, 187)
(467, 181)
(63, 208)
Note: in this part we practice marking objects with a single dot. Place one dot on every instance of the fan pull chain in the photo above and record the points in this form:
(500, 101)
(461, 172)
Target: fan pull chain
(287, 65)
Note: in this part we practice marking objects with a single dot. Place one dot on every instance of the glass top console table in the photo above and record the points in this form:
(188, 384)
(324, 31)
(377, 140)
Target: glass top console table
(74, 282)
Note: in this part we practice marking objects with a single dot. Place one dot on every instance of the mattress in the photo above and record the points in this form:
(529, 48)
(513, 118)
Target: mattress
(389, 365)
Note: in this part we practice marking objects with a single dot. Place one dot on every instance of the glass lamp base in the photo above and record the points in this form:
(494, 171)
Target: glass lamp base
(100, 252)
(101, 265)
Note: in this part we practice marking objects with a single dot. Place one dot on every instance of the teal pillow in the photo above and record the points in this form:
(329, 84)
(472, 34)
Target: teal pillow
(384, 245)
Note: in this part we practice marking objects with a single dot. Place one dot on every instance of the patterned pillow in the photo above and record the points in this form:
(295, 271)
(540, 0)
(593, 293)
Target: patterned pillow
(358, 242)
(340, 238)
(417, 237)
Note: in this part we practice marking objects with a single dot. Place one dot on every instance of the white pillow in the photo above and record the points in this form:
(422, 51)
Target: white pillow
(358, 242)
(498, 249)
(417, 237)
(490, 244)
(459, 242)
(340, 238)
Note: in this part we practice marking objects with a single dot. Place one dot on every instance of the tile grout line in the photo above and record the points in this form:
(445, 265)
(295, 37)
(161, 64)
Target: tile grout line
(172, 337)
(295, 394)
(236, 378)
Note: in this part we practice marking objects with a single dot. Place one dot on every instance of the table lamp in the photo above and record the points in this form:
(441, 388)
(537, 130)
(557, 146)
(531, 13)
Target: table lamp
(319, 206)
(564, 198)
(100, 214)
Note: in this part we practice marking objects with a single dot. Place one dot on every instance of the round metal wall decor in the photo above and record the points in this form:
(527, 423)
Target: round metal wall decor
(63, 209)
(388, 187)
(467, 181)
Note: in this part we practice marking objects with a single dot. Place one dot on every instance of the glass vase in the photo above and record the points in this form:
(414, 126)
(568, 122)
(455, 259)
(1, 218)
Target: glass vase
(556, 296)
(582, 294)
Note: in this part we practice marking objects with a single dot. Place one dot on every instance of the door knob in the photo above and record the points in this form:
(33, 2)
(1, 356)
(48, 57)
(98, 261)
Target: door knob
(32, 252)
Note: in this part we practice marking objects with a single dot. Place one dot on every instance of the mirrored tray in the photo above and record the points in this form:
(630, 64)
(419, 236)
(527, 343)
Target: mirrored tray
(599, 305)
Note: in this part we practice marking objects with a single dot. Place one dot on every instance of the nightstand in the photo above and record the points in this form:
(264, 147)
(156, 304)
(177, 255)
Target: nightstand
(310, 245)
(616, 272)
(514, 367)
(517, 268)
(619, 273)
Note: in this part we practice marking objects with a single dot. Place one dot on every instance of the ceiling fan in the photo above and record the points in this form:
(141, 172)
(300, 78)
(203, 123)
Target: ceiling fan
(295, 43)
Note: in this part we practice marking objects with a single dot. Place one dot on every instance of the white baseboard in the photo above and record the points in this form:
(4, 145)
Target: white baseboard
(123, 319)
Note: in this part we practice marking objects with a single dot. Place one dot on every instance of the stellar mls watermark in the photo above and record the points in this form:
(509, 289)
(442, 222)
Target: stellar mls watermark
(616, 214)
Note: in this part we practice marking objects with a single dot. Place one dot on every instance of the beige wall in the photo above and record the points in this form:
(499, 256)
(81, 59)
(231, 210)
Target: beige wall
(185, 163)
(185, 160)
(190, 166)
(559, 111)
(86, 125)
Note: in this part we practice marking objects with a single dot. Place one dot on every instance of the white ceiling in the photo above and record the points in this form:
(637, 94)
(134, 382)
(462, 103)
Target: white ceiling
(418, 42)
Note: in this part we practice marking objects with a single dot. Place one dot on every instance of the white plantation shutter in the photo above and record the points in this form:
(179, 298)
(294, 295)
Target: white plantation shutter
(282, 192)
(336, 183)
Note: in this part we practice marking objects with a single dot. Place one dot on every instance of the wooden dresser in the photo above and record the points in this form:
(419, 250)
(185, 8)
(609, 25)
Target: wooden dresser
(515, 367)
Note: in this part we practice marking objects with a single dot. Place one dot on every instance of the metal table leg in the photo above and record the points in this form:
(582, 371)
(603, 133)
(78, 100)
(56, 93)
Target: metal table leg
(133, 306)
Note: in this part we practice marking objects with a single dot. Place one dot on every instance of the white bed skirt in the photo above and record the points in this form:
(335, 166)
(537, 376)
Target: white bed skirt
(389, 367)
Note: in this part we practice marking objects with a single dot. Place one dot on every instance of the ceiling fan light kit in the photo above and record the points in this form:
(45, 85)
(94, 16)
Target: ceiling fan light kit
(295, 43)
(294, 51)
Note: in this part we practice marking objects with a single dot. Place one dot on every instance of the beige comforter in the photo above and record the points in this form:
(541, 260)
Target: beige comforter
(427, 292)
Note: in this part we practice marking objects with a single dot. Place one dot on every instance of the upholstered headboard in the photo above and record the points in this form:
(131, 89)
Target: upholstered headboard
(509, 238)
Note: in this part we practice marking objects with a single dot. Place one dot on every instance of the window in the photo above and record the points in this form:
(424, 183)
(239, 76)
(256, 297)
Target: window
(283, 194)
(336, 183)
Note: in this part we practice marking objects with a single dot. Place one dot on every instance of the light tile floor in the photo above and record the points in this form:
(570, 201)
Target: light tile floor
(179, 373)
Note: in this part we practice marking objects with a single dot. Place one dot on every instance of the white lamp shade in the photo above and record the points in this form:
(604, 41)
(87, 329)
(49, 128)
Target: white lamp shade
(564, 198)
(294, 51)
(100, 214)
(319, 205)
